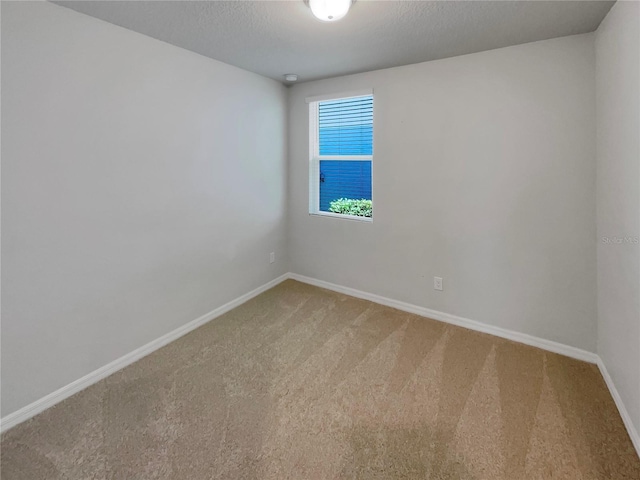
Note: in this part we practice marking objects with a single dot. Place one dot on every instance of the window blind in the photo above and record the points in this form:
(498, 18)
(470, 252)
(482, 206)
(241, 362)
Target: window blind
(345, 126)
(341, 172)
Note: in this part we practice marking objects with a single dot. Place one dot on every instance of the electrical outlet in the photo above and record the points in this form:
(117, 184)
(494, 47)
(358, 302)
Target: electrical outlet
(437, 283)
(272, 257)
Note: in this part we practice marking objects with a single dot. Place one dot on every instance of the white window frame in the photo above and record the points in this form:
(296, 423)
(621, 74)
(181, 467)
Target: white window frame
(315, 157)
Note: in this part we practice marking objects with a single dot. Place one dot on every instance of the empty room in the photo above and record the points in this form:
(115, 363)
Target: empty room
(320, 239)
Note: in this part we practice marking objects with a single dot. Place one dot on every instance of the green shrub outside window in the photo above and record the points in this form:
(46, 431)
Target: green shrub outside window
(351, 206)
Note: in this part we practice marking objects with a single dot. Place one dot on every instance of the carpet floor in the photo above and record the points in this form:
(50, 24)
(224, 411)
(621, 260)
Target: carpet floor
(304, 383)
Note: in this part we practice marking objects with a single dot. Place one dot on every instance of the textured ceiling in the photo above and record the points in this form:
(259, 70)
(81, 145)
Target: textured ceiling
(277, 37)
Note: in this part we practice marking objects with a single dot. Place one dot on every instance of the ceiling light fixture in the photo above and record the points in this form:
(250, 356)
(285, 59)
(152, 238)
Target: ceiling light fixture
(329, 10)
(291, 77)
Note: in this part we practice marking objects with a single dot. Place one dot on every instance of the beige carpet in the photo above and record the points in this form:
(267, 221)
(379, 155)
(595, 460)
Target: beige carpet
(303, 383)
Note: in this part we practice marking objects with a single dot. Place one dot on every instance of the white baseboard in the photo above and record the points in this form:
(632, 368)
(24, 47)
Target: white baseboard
(542, 343)
(624, 413)
(53, 398)
(548, 345)
(50, 400)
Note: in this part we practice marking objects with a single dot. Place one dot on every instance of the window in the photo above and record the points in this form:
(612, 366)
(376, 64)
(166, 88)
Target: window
(341, 153)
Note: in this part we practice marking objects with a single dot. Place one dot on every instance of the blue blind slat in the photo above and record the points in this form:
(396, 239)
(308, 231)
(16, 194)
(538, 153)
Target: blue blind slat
(346, 126)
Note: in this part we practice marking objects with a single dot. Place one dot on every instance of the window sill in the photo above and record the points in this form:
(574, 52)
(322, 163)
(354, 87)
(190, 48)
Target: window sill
(342, 216)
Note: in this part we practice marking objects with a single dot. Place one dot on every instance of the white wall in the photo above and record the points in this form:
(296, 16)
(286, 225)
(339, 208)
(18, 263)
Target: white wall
(142, 187)
(618, 194)
(484, 174)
